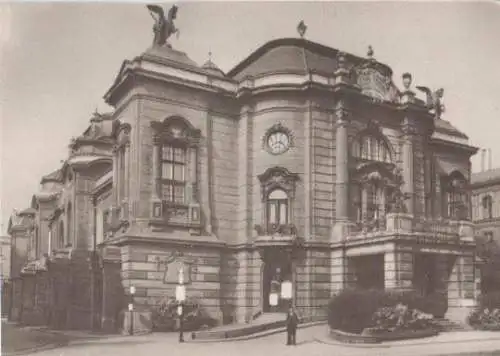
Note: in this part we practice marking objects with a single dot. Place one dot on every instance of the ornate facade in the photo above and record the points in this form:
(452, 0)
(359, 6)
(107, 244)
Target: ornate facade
(302, 163)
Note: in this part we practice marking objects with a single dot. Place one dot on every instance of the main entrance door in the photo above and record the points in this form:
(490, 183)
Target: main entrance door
(277, 268)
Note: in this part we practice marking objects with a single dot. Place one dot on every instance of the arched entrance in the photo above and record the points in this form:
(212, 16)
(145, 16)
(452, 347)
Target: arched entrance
(276, 269)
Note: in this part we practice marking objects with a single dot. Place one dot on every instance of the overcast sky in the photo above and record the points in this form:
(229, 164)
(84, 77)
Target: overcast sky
(57, 60)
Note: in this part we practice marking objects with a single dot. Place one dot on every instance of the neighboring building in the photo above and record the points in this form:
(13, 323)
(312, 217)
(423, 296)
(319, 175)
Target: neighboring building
(302, 163)
(4, 258)
(485, 187)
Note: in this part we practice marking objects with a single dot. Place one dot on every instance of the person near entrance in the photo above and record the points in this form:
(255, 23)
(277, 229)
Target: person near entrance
(292, 320)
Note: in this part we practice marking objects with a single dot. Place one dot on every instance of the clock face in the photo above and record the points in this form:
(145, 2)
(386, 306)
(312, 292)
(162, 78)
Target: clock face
(278, 142)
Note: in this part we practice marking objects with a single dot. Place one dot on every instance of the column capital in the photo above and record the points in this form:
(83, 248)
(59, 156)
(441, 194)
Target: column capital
(342, 113)
(409, 127)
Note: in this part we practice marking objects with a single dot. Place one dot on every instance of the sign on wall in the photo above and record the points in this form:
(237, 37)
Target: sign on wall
(172, 270)
(286, 290)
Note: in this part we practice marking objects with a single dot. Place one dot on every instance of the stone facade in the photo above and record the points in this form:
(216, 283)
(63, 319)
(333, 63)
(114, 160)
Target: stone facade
(318, 171)
(485, 187)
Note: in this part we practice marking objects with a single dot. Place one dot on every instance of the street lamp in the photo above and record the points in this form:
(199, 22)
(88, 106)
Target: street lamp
(180, 296)
(131, 309)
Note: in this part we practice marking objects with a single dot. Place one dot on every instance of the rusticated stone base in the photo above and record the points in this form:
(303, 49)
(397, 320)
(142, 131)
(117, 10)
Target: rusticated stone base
(137, 322)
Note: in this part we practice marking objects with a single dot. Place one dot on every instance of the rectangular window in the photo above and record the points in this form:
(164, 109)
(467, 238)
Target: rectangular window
(173, 177)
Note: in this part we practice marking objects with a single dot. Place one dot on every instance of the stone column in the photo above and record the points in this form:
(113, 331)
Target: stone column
(342, 175)
(156, 167)
(408, 164)
(115, 193)
(126, 174)
(191, 176)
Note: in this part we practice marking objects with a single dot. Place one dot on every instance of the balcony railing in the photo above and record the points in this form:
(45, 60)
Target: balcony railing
(432, 230)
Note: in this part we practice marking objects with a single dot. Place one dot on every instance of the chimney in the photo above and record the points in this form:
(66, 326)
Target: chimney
(490, 159)
(483, 157)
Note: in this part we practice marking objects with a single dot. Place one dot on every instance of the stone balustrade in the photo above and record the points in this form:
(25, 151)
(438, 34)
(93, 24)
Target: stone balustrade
(434, 230)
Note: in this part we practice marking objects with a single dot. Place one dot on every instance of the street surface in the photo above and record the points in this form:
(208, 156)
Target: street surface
(462, 343)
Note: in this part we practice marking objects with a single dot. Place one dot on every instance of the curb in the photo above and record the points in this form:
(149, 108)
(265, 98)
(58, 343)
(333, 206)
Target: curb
(389, 344)
(256, 335)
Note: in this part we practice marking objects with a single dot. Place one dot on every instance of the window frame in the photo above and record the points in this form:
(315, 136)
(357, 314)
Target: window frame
(487, 207)
(171, 181)
(277, 204)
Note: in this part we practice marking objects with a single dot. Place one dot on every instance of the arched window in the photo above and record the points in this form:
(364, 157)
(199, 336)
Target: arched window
(370, 147)
(487, 204)
(175, 162)
(277, 208)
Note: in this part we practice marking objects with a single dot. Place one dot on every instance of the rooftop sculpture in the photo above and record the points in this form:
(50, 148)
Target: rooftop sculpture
(164, 26)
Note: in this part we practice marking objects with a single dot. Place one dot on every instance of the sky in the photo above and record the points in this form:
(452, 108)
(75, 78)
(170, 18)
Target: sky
(58, 59)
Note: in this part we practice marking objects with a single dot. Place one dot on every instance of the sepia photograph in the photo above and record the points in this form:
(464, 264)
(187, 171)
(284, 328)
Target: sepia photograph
(278, 178)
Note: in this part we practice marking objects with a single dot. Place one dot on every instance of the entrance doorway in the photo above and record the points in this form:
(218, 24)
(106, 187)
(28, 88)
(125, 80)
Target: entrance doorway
(424, 273)
(276, 270)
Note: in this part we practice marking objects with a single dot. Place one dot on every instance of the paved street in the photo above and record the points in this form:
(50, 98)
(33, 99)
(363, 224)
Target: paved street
(15, 339)
(468, 343)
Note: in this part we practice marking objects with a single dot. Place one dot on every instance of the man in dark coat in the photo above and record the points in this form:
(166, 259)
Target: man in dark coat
(292, 320)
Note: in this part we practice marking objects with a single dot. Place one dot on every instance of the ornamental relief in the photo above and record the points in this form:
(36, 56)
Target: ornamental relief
(277, 177)
(283, 142)
(176, 129)
(376, 85)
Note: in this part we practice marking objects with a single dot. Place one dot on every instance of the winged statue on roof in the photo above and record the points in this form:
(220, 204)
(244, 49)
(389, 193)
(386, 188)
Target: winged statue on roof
(164, 27)
(434, 100)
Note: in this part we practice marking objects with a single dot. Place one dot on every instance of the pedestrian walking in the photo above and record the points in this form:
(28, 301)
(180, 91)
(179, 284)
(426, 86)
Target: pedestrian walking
(292, 320)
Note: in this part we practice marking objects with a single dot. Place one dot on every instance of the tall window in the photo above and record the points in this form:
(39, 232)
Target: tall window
(372, 147)
(69, 233)
(373, 201)
(173, 174)
(455, 197)
(60, 243)
(357, 201)
(277, 208)
(487, 207)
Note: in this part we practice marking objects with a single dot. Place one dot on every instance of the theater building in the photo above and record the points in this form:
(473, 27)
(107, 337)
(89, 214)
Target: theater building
(302, 163)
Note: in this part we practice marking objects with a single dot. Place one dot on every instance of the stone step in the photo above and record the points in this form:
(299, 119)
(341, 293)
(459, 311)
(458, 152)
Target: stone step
(445, 325)
(262, 324)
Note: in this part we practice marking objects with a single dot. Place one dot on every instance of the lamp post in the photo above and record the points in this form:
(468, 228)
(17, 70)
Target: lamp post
(131, 309)
(180, 296)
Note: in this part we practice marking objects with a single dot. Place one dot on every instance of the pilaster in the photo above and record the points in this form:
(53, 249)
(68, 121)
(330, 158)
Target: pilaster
(341, 228)
(409, 132)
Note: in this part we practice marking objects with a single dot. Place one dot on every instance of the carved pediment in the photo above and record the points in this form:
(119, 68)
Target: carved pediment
(176, 129)
(376, 84)
(278, 177)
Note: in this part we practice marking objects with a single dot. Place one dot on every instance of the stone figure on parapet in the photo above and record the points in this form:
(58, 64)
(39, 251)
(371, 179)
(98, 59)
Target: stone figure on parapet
(434, 100)
(164, 26)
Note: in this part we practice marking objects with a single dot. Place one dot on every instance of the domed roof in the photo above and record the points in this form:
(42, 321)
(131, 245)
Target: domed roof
(167, 55)
(295, 55)
(211, 67)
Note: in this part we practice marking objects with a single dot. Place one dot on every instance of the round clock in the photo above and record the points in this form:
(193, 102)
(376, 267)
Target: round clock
(278, 142)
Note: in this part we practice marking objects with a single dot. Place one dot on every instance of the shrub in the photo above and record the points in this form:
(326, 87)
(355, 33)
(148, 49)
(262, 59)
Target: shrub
(352, 310)
(400, 317)
(165, 317)
(485, 319)
(486, 315)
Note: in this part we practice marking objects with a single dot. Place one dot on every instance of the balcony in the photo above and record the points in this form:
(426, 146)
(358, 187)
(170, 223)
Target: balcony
(276, 235)
(420, 229)
(171, 214)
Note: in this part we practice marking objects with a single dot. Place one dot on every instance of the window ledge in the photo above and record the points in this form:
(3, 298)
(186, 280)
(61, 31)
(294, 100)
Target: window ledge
(176, 215)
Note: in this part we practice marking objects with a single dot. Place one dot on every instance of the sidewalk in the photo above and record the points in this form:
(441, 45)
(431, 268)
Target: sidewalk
(19, 340)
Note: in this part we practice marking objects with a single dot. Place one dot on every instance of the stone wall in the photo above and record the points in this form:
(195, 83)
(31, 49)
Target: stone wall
(144, 267)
